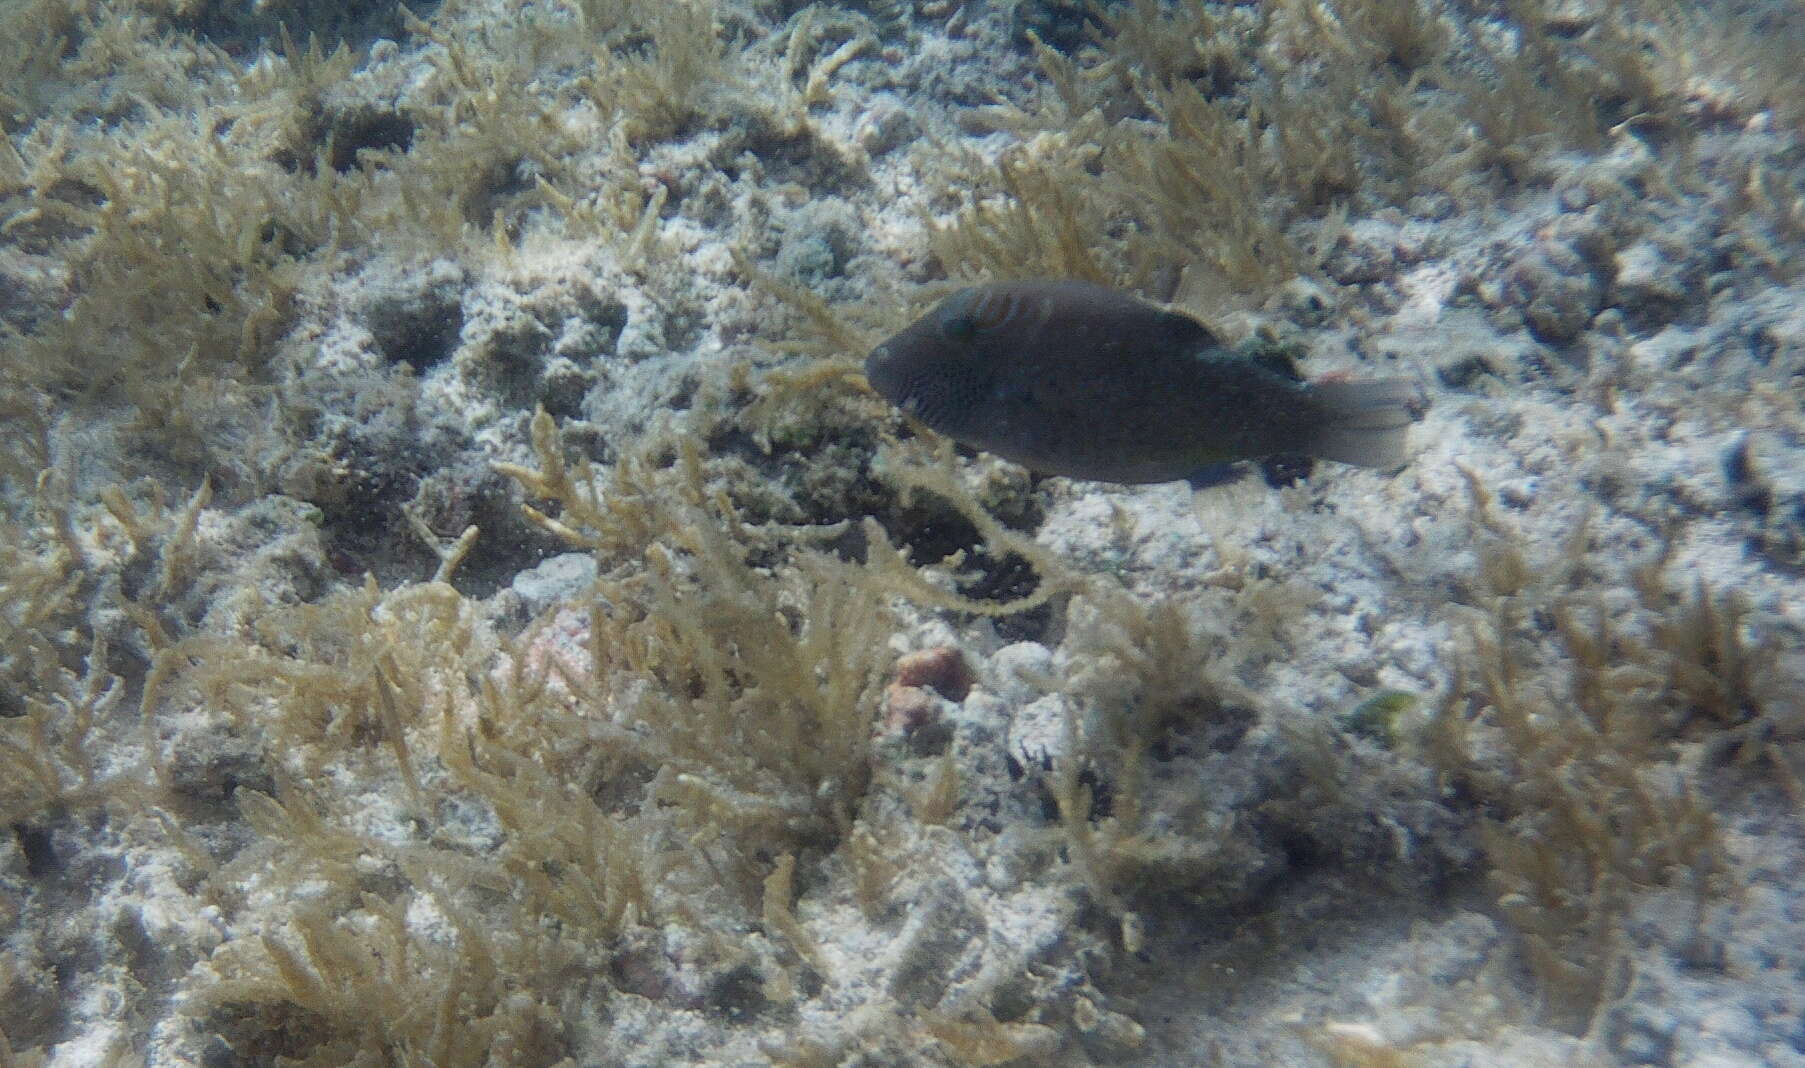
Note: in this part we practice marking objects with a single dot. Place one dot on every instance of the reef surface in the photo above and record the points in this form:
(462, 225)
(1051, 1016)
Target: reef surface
(460, 604)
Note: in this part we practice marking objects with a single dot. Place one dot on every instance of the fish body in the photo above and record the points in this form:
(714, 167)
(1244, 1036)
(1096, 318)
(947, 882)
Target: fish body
(1069, 378)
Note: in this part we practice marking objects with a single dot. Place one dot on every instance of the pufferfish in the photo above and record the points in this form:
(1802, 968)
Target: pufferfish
(1069, 378)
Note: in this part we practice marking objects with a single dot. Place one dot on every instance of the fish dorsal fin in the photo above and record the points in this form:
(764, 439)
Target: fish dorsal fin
(1280, 364)
(1185, 333)
(1273, 356)
(1210, 476)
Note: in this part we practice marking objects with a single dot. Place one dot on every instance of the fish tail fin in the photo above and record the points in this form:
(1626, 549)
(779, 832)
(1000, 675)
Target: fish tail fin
(1365, 423)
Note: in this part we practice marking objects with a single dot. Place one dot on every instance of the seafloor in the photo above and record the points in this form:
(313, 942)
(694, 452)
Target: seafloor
(461, 605)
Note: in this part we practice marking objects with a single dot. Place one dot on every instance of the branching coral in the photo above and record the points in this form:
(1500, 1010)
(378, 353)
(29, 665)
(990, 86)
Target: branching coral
(596, 761)
(1699, 642)
(1721, 677)
(768, 686)
(1145, 678)
(189, 230)
(1205, 142)
(762, 686)
(1595, 798)
(515, 856)
(365, 988)
(1595, 811)
(1039, 224)
(185, 246)
(890, 567)
(63, 663)
(187, 255)
(1150, 161)
(44, 757)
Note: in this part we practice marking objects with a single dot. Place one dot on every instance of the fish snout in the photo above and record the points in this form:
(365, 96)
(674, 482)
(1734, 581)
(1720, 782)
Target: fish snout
(881, 372)
(938, 392)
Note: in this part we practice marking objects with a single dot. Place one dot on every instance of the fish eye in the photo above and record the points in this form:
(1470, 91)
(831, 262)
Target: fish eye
(958, 328)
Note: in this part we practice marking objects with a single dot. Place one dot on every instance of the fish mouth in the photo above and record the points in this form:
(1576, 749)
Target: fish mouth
(905, 394)
(927, 407)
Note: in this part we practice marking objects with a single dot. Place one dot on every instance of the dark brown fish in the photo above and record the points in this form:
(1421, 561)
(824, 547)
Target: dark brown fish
(1068, 378)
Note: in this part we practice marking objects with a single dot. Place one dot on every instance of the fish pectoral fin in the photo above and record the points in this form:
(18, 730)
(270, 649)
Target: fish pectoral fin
(1218, 474)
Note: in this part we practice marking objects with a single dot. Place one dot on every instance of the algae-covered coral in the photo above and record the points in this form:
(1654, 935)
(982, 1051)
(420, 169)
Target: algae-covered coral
(451, 574)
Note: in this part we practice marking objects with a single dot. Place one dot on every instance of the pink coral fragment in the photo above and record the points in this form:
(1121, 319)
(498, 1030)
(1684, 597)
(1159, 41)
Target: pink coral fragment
(941, 669)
